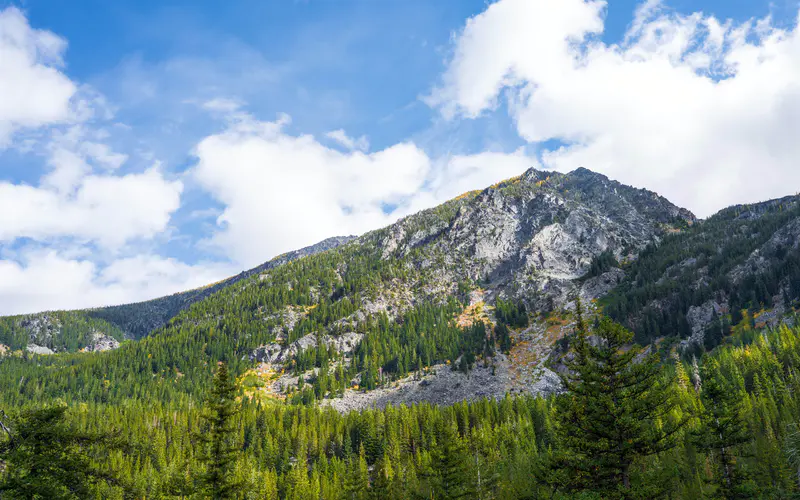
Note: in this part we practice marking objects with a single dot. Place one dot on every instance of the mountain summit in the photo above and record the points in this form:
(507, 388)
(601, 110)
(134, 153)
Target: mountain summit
(468, 299)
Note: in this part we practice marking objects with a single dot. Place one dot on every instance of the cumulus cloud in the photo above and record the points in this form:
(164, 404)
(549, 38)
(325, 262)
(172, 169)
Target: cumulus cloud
(458, 174)
(701, 110)
(71, 200)
(103, 155)
(33, 90)
(222, 104)
(108, 210)
(282, 192)
(48, 280)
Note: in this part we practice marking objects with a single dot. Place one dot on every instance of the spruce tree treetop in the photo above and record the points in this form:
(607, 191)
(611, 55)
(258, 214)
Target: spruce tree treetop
(45, 457)
(722, 431)
(616, 409)
(218, 439)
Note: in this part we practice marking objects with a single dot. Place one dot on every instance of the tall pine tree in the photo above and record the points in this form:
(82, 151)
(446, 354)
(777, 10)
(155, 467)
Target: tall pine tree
(616, 409)
(452, 466)
(356, 481)
(218, 438)
(723, 430)
(45, 457)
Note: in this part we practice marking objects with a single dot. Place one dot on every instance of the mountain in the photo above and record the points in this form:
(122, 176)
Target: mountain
(382, 310)
(434, 320)
(741, 264)
(532, 237)
(103, 328)
(141, 318)
(484, 283)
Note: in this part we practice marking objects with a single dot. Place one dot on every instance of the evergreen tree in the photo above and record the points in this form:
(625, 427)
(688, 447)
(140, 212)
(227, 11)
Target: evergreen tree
(792, 449)
(356, 482)
(723, 430)
(45, 458)
(218, 438)
(452, 466)
(616, 409)
(383, 487)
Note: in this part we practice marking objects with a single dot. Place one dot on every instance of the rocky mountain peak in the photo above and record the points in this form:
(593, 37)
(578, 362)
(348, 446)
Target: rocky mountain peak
(534, 235)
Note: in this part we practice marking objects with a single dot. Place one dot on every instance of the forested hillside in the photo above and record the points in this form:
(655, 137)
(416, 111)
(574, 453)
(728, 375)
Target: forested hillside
(397, 292)
(509, 448)
(71, 331)
(139, 319)
(246, 385)
(696, 283)
(61, 331)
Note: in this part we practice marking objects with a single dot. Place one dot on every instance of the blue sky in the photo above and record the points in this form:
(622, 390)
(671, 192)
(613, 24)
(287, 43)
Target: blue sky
(147, 147)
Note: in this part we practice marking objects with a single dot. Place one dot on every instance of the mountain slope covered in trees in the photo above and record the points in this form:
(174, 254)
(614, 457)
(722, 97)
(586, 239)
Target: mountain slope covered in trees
(392, 303)
(484, 283)
(70, 331)
(695, 284)
(455, 311)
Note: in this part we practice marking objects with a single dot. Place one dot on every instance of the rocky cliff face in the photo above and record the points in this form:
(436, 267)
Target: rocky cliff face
(530, 240)
(534, 237)
(743, 263)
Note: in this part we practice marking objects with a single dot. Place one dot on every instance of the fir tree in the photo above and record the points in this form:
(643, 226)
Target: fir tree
(611, 412)
(356, 482)
(44, 457)
(383, 487)
(723, 430)
(792, 449)
(218, 437)
(452, 466)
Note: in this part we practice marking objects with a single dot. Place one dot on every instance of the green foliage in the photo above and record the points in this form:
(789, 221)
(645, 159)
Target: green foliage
(511, 314)
(356, 484)
(723, 431)
(503, 337)
(451, 464)
(217, 438)
(661, 285)
(60, 331)
(502, 447)
(47, 458)
(153, 390)
(616, 411)
(602, 263)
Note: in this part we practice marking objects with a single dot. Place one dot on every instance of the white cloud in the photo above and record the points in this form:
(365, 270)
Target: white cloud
(282, 192)
(700, 110)
(71, 154)
(48, 280)
(71, 201)
(71, 240)
(33, 92)
(341, 137)
(68, 170)
(109, 210)
(462, 173)
(509, 43)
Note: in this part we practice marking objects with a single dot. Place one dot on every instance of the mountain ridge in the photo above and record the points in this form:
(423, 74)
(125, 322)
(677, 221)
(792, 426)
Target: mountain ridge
(484, 283)
(132, 320)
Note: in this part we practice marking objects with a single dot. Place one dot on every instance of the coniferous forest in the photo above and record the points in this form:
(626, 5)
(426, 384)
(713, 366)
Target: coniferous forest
(631, 425)
(178, 414)
(184, 412)
(518, 250)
